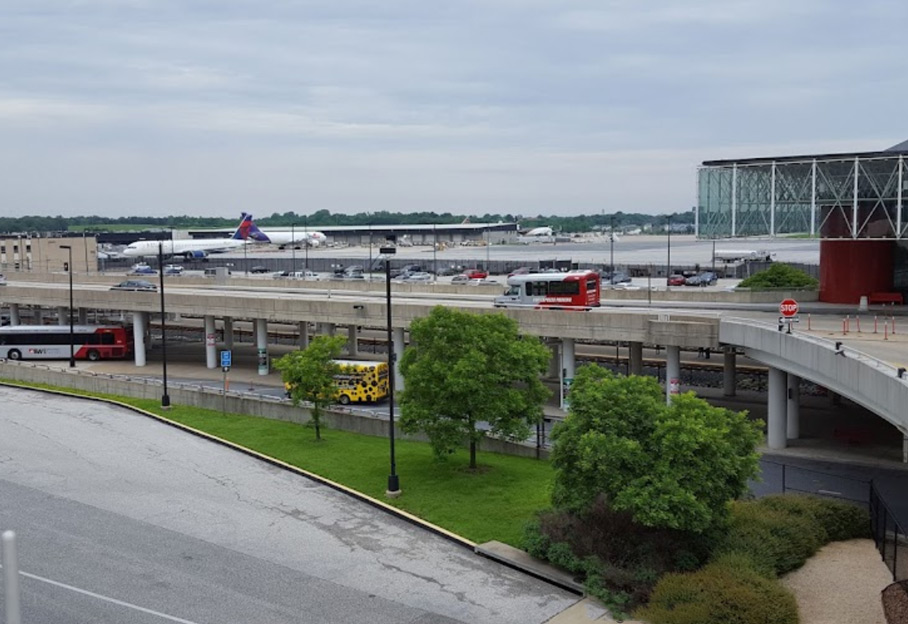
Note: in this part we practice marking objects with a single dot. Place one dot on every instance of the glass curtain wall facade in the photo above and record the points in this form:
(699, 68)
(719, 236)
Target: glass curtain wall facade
(853, 196)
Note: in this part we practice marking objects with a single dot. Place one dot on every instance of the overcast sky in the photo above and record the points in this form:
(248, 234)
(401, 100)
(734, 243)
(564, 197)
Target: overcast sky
(211, 107)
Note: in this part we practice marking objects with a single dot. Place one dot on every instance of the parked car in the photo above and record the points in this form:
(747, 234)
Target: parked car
(444, 271)
(520, 271)
(707, 278)
(475, 273)
(419, 276)
(135, 284)
(676, 280)
(618, 277)
(2, 279)
(463, 278)
(259, 269)
(142, 269)
(173, 269)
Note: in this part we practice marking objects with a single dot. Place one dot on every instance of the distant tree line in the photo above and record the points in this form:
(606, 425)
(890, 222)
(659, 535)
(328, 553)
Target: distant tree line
(321, 218)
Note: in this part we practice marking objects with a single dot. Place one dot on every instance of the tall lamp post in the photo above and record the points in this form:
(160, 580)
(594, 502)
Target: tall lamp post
(292, 251)
(668, 269)
(393, 481)
(611, 251)
(306, 243)
(72, 343)
(165, 398)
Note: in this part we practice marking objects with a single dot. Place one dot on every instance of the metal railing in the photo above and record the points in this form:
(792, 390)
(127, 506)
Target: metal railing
(889, 535)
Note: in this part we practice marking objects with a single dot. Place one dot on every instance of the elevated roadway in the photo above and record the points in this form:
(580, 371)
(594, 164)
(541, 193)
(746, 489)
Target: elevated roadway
(869, 372)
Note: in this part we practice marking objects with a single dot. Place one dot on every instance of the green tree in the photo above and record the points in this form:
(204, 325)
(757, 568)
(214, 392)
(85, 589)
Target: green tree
(673, 466)
(309, 374)
(464, 369)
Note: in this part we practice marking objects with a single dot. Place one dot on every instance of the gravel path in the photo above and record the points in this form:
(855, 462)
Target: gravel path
(841, 584)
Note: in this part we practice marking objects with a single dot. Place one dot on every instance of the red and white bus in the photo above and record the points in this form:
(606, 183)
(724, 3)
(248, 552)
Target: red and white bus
(575, 290)
(51, 342)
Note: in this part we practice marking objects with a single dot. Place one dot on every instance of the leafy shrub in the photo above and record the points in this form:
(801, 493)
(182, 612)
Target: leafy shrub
(779, 276)
(725, 591)
(620, 559)
(840, 520)
(775, 540)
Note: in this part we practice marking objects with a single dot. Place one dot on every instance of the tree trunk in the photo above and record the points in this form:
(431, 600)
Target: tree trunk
(472, 454)
(316, 420)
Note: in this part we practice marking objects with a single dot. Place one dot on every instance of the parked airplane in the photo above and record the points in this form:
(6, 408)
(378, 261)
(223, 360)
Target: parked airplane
(284, 237)
(199, 248)
(537, 235)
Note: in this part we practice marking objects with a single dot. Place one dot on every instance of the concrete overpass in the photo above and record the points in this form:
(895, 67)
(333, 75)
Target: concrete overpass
(873, 383)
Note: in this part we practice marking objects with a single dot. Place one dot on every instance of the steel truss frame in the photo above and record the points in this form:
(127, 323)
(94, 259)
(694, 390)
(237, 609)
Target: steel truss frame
(839, 198)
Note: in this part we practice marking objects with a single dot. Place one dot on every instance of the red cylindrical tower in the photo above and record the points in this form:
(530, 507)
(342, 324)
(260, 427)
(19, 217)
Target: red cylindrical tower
(851, 268)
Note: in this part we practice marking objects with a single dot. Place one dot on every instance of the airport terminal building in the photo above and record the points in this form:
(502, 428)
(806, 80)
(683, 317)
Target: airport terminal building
(853, 202)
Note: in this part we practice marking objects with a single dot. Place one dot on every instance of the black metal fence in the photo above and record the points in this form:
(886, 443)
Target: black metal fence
(889, 535)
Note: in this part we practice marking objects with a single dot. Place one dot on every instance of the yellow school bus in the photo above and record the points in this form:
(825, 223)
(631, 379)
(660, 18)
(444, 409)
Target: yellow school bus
(359, 382)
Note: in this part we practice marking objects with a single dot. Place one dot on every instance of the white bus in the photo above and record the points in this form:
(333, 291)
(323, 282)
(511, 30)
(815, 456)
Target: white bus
(52, 342)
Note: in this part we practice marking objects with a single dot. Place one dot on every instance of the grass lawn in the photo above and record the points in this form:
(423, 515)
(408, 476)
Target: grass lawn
(494, 503)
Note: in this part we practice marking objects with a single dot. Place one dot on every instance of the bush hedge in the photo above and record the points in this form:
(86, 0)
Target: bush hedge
(727, 591)
(779, 533)
(779, 276)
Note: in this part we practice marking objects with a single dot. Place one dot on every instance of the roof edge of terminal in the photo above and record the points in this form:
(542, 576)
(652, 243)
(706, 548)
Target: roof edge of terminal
(895, 151)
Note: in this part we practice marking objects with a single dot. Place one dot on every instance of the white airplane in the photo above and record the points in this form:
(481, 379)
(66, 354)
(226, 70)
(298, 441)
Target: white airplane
(284, 237)
(199, 248)
(537, 235)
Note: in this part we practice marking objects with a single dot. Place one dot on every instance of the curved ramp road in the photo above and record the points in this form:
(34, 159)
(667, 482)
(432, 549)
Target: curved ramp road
(123, 519)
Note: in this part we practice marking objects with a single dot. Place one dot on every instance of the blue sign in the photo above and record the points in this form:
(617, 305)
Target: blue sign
(226, 357)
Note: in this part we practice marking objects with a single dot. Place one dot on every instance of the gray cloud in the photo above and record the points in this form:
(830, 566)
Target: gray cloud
(159, 107)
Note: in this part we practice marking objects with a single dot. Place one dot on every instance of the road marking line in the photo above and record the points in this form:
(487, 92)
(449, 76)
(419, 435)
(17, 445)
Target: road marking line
(106, 598)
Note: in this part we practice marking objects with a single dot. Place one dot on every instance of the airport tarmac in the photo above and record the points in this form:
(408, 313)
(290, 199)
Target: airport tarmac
(685, 250)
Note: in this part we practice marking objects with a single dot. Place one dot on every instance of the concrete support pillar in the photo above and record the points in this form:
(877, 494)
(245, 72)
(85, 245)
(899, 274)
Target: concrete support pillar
(397, 337)
(62, 315)
(261, 345)
(83, 316)
(211, 353)
(777, 409)
(352, 341)
(228, 333)
(568, 359)
(139, 325)
(729, 371)
(794, 407)
(555, 361)
(672, 372)
(304, 334)
(905, 449)
(636, 357)
(38, 315)
(14, 318)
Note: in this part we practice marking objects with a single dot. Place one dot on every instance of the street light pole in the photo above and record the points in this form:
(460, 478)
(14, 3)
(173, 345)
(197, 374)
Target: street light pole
(292, 250)
(306, 242)
(72, 343)
(668, 270)
(611, 262)
(434, 254)
(165, 398)
(393, 481)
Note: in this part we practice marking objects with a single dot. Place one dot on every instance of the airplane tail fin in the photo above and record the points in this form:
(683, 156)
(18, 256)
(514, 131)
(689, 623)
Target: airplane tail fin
(248, 230)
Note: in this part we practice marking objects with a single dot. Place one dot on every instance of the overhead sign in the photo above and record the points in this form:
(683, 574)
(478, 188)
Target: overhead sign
(226, 358)
(788, 308)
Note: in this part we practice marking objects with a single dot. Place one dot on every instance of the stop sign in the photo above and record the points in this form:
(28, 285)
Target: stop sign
(788, 308)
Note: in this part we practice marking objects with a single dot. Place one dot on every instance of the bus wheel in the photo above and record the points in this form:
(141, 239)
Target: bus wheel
(344, 399)
(94, 356)
(14, 354)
